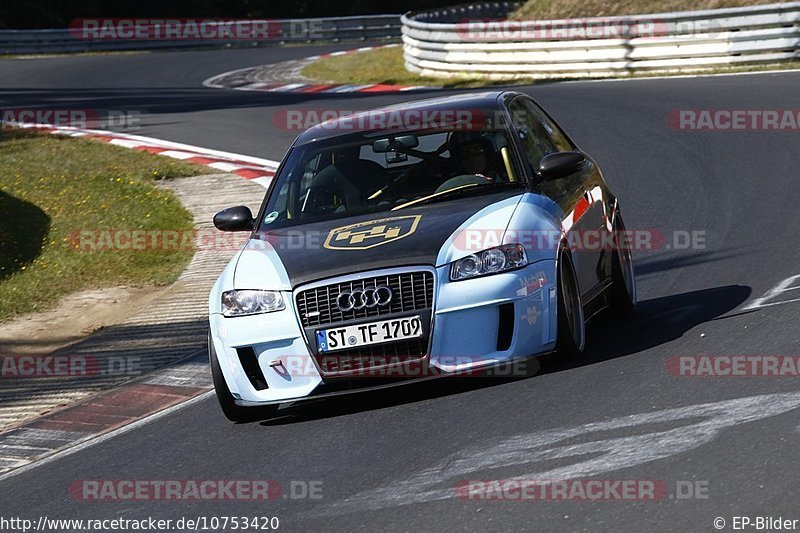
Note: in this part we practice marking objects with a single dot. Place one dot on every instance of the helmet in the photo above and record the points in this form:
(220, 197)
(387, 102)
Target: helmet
(462, 139)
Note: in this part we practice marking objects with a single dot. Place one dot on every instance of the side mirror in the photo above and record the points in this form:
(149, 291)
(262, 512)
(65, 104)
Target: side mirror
(238, 218)
(561, 165)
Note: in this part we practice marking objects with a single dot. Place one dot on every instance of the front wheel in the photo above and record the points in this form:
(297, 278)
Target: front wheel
(571, 326)
(233, 412)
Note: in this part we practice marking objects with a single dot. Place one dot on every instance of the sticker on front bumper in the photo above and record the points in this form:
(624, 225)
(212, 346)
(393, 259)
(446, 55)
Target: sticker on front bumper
(395, 329)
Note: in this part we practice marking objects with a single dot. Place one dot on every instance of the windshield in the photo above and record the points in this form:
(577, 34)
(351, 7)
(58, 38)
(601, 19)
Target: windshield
(377, 172)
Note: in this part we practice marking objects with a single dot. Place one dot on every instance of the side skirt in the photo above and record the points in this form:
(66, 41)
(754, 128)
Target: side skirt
(596, 300)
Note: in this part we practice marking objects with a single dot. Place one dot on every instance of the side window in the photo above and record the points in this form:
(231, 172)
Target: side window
(557, 136)
(535, 139)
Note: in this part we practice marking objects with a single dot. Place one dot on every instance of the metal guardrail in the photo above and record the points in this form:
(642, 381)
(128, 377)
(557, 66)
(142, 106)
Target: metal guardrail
(332, 29)
(477, 41)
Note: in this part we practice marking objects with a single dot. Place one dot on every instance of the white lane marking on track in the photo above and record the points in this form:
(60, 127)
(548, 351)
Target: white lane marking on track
(438, 482)
(106, 436)
(777, 290)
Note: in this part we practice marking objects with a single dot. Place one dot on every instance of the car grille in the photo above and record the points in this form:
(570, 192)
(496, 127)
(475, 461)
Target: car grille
(411, 291)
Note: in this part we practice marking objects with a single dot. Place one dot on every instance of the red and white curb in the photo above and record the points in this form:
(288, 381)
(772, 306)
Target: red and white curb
(328, 88)
(240, 79)
(251, 168)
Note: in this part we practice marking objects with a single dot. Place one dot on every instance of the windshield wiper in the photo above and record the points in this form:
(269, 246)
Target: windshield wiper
(463, 190)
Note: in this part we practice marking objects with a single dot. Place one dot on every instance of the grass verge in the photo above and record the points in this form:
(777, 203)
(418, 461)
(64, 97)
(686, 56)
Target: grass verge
(385, 65)
(559, 9)
(52, 187)
(381, 65)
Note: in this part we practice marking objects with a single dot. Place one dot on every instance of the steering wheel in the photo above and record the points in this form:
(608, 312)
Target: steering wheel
(391, 186)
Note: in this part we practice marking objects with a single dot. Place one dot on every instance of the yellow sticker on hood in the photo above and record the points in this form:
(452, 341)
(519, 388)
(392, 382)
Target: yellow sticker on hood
(371, 233)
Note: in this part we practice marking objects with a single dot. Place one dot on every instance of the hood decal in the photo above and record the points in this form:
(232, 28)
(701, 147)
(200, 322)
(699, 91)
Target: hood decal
(371, 233)
(321, 249)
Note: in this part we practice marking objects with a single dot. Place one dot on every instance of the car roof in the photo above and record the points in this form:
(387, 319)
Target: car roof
(488, 100)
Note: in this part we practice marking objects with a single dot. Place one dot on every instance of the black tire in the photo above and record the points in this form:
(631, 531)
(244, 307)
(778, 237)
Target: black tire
(622, 294)
(571, 324)
(233, 412)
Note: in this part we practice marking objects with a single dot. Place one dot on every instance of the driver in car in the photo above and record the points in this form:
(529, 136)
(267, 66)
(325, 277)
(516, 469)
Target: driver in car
(474, 156)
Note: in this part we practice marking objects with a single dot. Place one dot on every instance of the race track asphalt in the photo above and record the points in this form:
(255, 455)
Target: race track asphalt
(391, 460)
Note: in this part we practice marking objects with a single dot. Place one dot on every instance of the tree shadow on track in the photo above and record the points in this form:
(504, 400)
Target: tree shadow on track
(656, 321)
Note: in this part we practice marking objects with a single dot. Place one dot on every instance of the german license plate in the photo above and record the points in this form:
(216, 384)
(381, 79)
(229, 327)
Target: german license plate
(330, 340)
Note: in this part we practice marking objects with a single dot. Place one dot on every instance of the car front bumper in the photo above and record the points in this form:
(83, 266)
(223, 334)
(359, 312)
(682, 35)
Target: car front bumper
(476, 323)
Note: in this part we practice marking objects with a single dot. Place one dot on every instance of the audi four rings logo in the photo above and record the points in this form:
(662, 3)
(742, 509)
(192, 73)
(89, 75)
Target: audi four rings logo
(363, 298)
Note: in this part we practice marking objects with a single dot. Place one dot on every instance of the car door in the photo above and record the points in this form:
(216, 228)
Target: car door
(579, 195)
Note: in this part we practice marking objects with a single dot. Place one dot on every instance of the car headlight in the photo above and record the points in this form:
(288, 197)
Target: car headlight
(491, 261)
(250, 302)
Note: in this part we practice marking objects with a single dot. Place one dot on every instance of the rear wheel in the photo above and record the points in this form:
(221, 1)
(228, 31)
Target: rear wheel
(233, 412)
(571, 327)
(622, 296)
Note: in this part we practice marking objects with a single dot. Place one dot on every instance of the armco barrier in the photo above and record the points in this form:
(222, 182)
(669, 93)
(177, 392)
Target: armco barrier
(363, 28)
(477, 41)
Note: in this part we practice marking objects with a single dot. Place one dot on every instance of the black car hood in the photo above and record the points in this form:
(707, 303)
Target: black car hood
(410, 236)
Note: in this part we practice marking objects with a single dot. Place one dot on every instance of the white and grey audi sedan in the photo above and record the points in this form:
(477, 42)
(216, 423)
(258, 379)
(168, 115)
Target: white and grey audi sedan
(447, 239)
